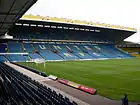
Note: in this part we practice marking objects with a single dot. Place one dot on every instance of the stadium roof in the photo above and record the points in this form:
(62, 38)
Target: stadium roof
(11, 11)
(114, 33)
(78, 22)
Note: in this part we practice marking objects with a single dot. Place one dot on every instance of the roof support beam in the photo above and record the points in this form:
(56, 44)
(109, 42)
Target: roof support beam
(11, 14)
(8, 12)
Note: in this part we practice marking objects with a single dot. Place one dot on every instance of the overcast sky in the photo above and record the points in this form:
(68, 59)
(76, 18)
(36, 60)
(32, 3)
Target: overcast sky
(118, 12)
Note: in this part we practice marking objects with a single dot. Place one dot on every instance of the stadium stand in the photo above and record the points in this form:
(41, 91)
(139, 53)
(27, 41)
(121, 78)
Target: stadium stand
(61, 51)
(28, 47)
(92, 50)
(15, 47)
(130, 48)
(74, 48)
(47, 51)
(59, 41)
(3, 48)
(35, 56)
(3, 59)
(18, 89)
(21, 32)
(17, 58)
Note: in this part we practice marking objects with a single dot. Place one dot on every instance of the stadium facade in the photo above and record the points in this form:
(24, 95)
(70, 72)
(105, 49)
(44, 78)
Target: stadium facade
(37, 38)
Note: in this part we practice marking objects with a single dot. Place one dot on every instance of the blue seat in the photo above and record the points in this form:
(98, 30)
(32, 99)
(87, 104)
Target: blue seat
(46, 53)
(15, 47)
(34, 56)
(3, 48)
(28, 47)
(17, 58)
(2, 58)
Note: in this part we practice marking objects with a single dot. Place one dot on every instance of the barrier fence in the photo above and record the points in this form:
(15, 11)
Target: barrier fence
(78, 86)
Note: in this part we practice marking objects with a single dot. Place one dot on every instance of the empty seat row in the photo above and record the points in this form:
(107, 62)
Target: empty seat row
(18, 89)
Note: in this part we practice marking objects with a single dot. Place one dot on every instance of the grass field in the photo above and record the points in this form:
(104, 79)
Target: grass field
(112, 78)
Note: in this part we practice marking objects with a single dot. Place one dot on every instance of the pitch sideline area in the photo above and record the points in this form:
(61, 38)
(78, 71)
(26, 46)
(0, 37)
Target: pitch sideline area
(112, 78)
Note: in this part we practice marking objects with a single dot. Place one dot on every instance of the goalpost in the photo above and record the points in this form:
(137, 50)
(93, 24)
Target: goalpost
(38, 61)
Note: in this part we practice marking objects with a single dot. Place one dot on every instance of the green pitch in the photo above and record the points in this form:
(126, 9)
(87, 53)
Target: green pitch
(112, 78)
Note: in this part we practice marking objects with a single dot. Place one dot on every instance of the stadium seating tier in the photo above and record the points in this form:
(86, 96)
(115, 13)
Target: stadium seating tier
(19, 89)
(60, 51)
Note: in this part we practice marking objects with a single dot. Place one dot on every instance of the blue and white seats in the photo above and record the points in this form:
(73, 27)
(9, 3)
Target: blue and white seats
(2, 58)
(28, 47)
(17, 58)
(78, 52)
(63, 51)
(14, 47)
(59, 51)
(46, 53)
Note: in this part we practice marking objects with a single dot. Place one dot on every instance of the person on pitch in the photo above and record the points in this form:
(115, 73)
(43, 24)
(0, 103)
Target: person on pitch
(125, 100)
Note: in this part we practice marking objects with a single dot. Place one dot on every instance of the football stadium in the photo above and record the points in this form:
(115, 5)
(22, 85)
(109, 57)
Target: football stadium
(57, 61)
